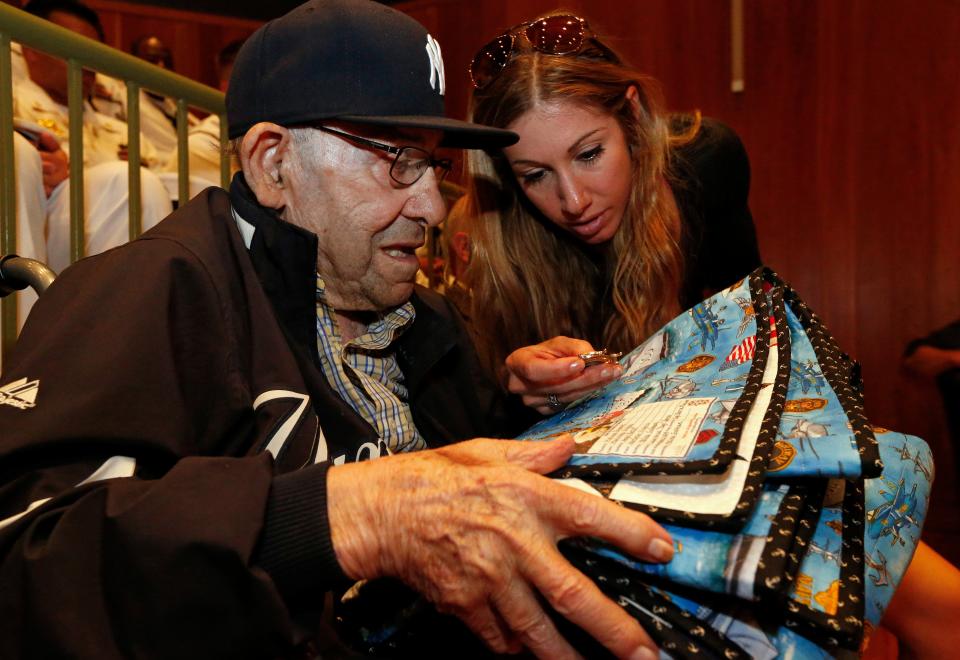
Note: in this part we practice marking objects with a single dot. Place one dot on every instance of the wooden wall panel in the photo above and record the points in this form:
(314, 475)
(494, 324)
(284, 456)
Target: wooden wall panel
(194, 38)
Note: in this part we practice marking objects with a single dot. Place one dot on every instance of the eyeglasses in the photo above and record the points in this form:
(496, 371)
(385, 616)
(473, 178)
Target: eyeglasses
(552, 35)
(409, 163)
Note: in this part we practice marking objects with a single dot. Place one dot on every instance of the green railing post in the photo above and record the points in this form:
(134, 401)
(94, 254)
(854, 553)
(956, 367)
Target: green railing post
(183, 154)
(8, 202)
(8, 193)
(133, 157)
(75, 111)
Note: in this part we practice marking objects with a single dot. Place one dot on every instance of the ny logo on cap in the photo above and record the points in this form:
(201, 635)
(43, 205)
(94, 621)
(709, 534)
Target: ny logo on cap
(436, 65)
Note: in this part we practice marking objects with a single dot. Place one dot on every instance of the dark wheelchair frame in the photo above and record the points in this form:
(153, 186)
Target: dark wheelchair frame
(17, 273)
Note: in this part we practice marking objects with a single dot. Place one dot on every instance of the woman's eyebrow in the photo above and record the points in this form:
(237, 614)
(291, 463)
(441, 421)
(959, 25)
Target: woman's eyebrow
(571, 150)
(583, 138)
(522, 161)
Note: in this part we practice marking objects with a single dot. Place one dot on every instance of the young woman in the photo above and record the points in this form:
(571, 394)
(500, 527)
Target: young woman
(603, 222)
(607, 218)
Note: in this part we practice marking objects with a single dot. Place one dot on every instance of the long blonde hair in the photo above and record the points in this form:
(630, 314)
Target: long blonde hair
(532, 281)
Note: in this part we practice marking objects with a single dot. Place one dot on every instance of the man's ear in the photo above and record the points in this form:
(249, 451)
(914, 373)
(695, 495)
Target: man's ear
(262, 152)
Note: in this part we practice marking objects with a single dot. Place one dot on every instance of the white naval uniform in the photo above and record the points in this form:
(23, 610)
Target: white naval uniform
(44, 222)
(155, 123)
(203, 144)
(102, 135)
(18, 65)
(111, 100)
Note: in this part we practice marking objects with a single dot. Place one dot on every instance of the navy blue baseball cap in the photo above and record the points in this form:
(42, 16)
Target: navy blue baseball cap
(352, 60)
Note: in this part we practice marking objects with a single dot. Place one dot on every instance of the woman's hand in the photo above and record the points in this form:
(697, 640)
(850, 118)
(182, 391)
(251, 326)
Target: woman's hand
(554, 368)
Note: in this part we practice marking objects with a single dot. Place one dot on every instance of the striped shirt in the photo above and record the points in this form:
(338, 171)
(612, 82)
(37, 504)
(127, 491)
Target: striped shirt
(366, 374)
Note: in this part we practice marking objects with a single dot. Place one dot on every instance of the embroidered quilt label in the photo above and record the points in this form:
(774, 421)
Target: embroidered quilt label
(664, 429)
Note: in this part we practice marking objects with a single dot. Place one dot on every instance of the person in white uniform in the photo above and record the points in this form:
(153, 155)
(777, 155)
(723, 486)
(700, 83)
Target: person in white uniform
(110, 99)
(40, 107)
(41, 154)
(203, 141)
(158, 113)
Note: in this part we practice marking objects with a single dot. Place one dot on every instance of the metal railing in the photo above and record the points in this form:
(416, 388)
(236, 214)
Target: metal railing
(80, 53)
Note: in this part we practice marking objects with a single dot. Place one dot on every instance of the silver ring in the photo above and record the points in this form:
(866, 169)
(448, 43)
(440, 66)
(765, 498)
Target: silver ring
(555, 404)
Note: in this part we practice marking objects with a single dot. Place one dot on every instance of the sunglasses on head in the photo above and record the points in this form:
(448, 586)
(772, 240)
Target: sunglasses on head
(552, 35)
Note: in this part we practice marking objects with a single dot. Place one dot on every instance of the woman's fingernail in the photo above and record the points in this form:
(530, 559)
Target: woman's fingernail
(643, 653)
(606, 373)
(660, 550)
(575, 364)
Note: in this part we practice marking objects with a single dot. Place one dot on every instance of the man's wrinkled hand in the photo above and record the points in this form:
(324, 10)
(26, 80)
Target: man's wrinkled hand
(474, 528)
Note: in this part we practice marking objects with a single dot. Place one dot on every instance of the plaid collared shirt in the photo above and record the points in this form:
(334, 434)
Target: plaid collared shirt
(366, 374)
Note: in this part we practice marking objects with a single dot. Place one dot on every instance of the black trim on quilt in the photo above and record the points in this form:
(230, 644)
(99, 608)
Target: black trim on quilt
(727, 450)
(808, 517)
(779, 563)
(842, 373)
(753, 485)
(674, 630)
(845, 628)
(776, 567)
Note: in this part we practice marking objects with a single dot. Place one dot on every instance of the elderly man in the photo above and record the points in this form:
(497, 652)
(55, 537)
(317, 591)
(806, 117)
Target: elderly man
(185, 418)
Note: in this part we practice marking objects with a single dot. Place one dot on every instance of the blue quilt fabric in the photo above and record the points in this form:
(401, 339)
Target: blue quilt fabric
(706, 354)
(822, 547)
(896, 506)
(753, 564)
(815, 436)
(740, 427)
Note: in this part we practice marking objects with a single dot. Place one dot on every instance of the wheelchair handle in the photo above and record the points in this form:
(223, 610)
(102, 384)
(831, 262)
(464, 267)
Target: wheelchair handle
(18, 273)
